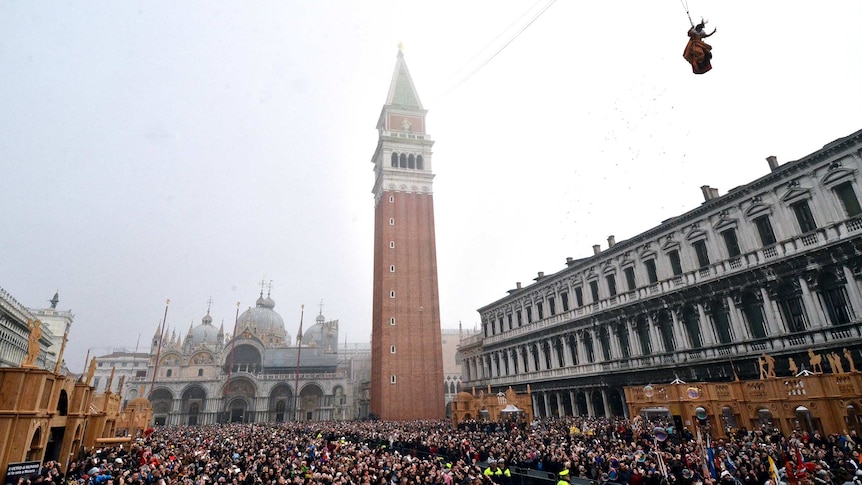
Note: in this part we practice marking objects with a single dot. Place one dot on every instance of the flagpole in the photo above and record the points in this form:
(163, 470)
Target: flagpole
(232, 347)
(159, 351)
(298, 353)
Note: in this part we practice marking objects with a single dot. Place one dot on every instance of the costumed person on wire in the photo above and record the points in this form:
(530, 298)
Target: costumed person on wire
(697, 52)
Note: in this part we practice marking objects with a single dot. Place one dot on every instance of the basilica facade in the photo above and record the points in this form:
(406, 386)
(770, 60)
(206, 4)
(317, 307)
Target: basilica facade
(772, 269)
(256, 375)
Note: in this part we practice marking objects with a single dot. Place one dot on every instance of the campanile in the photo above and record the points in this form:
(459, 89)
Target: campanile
(406, 350)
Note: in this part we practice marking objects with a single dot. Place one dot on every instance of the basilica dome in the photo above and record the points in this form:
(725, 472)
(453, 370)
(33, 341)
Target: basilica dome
(263, 321)
(322, 334)
(205, 333)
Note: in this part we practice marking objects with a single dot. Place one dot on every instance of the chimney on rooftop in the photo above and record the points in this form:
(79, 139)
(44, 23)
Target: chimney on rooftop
(569, 261)
(709, 193)
(597, 249)
(773, 162)
(518, 285)
(611, 241)
(541, 274)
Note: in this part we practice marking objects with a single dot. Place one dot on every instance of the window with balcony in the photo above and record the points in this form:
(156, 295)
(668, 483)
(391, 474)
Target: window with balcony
(721, 321)
(529, 314)
(558, 351)
(588, 347)
(540, 309)
(675, 264)
(520, 318)
(612, 284)
(605, 340)
(691, 320)
(804, 216)
(552, 305)
(573, 349)
(752, 310)
(642, 330)
(731, 243)
(623, 336)
(701, 253)
(564, 297)
(579, 297)
(764, 230)
(848, 199)
(630, 278)
(833, 297)
(594, 290)
(509, 318)
(665, 325)
(652, 274)
(792, 308)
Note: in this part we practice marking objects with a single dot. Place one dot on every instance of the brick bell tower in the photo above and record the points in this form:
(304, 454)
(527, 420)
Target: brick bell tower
(406, 350)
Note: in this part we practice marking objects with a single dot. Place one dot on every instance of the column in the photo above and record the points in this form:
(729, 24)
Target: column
(582, 349)
(614, 341)
(560, 410)
(535, 396)
(852, 292)
(589, 397)
(737, 322)
(625, 405)
(547, 402)
(634, 338)
(573, 402)
(605, 403)
(597, 346)
(655, 335)
(679, 330)
(816, 319)
(706, 330)
(567, 352)
(773, 321)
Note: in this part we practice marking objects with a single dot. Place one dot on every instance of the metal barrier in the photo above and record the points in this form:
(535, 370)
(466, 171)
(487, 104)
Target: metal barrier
(530, 476)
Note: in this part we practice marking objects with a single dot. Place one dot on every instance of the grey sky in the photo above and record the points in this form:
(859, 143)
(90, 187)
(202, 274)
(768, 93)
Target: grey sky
(185, 150)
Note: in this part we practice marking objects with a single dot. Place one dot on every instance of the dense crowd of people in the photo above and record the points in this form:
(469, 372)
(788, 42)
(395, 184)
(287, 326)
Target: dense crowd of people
(615, 450)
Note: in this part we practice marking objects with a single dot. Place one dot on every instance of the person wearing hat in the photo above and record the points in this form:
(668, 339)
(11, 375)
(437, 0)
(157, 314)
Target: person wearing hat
(564, 477)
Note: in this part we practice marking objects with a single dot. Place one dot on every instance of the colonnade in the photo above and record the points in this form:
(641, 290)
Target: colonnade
(592, 402)
(754, 316)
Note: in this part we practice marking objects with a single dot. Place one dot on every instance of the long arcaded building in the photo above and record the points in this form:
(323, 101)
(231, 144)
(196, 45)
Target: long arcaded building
(772, 267)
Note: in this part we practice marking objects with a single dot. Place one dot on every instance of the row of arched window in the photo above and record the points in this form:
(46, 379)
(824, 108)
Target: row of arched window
(587, 347)
(411, 161)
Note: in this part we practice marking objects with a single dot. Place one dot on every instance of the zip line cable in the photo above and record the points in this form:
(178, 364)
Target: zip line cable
(495, 39)
(512, 39)
(685, 6)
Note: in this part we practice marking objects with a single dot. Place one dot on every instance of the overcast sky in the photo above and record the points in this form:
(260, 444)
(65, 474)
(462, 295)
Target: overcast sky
(187, 150)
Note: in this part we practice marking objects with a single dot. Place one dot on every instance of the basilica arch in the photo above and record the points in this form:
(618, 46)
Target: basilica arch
(244, 358)
(239, 396)
(310, 400)
(281, 403)
(193, 404)
(162, 400)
